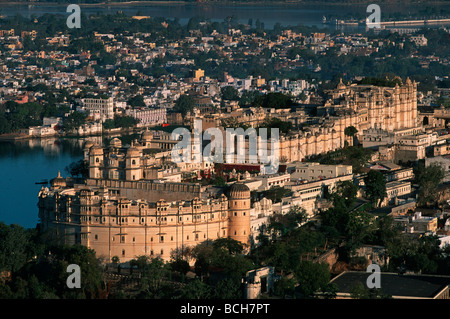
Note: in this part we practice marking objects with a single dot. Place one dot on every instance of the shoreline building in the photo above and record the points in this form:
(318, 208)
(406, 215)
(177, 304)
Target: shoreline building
(128, 219)
(99, 108)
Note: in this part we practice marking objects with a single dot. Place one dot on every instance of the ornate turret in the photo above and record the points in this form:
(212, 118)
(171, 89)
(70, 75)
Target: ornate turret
(87, 146)
(95, 161)
(146, 138)
(58, 182)
(115, 143)
(239, 213)
(341, 86)
(133, 164)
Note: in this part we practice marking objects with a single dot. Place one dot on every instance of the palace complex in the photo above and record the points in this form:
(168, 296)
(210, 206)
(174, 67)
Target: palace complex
(136, 201)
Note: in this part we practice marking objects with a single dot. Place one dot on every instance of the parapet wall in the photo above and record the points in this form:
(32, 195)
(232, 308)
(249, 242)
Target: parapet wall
(150, 190)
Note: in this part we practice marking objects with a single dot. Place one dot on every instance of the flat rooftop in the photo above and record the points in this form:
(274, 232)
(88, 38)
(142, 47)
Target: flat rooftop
(395, 285)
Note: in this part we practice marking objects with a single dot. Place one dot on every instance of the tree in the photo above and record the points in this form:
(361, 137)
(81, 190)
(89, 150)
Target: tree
(180, 265)
(313, 278)
(78, 169)
(196, 289)
(141, 262)
(275, 194)
(429, 179)
(136, 101)
(248, 97)
(201, 266)
(109, 124)
(284, 286)
(360, 227)
(153, 276)
(360, 291)
(91, 274)
(375, 187)
(387, 231)
(124, 121)
(14, 247)
(274, 122)
(74, 120)
(357, 157)
(45, 275)
(115, 259)
(336, 216)
(227, 289)
(184, 104)
(422, 255)
(282, 224)
(346, 190)
(232, 246)
(230, 93)
(276, 100)
(350, 131)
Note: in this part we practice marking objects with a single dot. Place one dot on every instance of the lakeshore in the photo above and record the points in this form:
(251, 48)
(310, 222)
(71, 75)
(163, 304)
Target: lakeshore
(246, 3)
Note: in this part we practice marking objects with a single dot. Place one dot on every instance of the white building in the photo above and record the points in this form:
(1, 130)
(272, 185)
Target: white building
(315, 171)
(148, 116)
(99, 108)
(419, 40)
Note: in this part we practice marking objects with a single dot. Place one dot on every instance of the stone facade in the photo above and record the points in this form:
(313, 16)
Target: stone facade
(112, 224)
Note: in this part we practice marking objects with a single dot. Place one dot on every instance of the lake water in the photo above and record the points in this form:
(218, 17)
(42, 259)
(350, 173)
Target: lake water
(287, 15)
(24, 163)
(269, 15)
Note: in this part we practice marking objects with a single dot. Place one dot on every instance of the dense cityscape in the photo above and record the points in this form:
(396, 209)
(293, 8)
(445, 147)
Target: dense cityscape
(358, 122)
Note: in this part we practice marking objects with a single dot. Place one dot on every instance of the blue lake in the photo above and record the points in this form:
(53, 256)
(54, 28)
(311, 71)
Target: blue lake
(24, 163)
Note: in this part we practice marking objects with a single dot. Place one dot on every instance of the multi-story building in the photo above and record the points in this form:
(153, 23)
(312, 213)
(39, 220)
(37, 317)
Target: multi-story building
(419, 40)
(125, 220)
(316, 171)
(100, 108)
(396, 190)
(148, 116)
(417, 223)
(387, 108)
